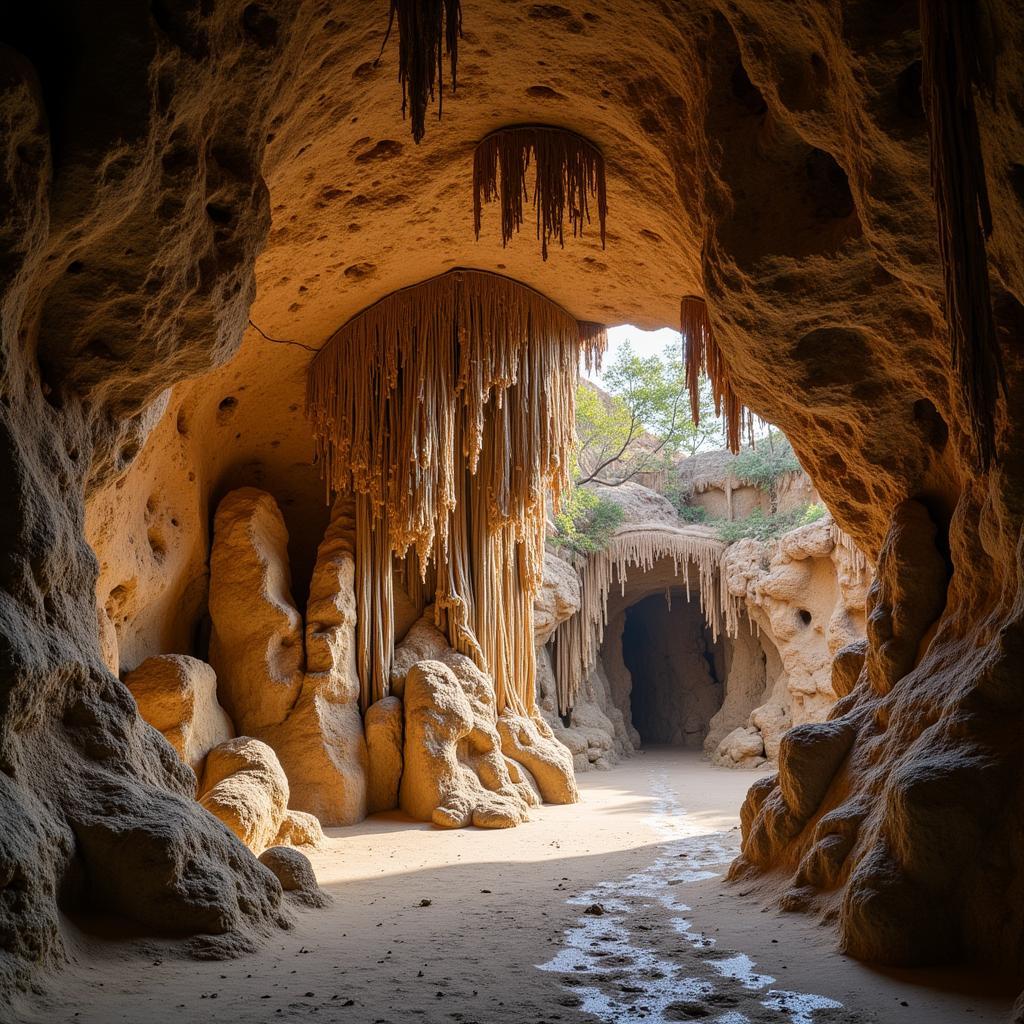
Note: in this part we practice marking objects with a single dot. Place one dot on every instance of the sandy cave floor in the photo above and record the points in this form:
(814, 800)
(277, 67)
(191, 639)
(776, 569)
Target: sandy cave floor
(507, 935)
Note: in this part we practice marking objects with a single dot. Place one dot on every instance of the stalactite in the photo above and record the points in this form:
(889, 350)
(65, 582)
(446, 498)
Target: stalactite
(448, 407)
(701, 355)
(427, 30)
(952, 66)
(578, 640)
(568, 171)
(843, 540)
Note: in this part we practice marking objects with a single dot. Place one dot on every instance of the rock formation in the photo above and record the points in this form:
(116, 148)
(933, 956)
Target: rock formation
(463, 762)
(384, 725)
(293, 870)
(776, 160)
(178, 695)
(245, 787)
(806, 593)
(300, 698)
(789, 606)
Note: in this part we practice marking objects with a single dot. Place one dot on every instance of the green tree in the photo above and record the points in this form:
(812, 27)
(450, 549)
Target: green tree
(641, 422)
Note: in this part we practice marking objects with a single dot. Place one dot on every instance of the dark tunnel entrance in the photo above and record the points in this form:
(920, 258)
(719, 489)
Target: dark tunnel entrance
(676, 670)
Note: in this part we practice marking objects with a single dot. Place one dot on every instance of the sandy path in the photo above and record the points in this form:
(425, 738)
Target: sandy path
(506, 936)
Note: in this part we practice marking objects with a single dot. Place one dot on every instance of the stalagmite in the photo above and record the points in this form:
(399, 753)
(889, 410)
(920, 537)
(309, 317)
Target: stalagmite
(568, 171)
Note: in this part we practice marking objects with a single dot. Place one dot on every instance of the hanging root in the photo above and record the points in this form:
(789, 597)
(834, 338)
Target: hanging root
(701, 355)
(568, 171)
(953, 65)
(427, 29)
(448, 409)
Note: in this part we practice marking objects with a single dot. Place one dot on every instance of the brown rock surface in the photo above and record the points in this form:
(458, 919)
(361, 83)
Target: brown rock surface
(773, 157)
(300, 829)
(293, 870)
(177, 695)
(116, 283)
(256, 638)
(436, 785)
(320, 741)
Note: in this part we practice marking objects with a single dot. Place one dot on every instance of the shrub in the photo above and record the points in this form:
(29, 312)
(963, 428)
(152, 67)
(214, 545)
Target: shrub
(764, 465)
(586, 522)
(763, 527)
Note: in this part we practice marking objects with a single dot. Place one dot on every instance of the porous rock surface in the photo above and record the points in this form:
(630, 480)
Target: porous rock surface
(245, 787)
(772, 157)
(177, 695)
(806, 595)
(462, 762)
(295, 689)
(116, 284)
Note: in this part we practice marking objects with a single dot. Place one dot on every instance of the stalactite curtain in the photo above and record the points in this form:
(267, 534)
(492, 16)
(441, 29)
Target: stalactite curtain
(577, 641)
(448, 408)
(568, 173)
(701, 355)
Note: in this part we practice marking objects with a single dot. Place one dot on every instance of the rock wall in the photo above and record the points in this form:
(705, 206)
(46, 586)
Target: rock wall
(806, 595)
(801, 599)
(129, 243)
(772, 157)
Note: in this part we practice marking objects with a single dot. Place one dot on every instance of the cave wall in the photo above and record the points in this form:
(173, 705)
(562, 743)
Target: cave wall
(117, 281)
(771, 156)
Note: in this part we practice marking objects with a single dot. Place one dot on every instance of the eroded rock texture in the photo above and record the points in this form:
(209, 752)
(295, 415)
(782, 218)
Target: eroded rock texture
(295, 689)
(772, 157)
(178, 695)
(805, 593)
(128, 244)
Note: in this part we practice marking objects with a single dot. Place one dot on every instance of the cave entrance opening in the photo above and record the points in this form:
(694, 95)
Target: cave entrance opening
(676, 670)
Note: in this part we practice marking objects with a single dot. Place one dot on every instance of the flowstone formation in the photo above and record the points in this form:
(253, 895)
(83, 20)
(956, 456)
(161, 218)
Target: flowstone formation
(755, 658)
(838, 189)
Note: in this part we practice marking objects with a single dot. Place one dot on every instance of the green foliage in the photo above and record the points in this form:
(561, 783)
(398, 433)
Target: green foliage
(680, 499)
(761, 526)
(586, 522)
(762, 466)
(643, 422)
(692, 513)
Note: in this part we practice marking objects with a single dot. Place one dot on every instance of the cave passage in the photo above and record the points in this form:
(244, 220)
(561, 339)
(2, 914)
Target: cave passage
(670, 655)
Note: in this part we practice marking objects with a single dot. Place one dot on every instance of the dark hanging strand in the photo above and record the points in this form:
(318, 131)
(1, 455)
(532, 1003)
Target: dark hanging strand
(568, 173)
(951, 68)
(701, 355)
(427, 29)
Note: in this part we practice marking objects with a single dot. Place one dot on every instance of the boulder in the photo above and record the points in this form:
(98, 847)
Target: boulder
(177, 695)
(245, 786)
(295, 873)
(384, 733)
(300, 829)
(742, 748)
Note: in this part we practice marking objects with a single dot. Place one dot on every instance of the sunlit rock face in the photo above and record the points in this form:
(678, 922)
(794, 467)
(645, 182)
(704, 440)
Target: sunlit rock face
(771, 157)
